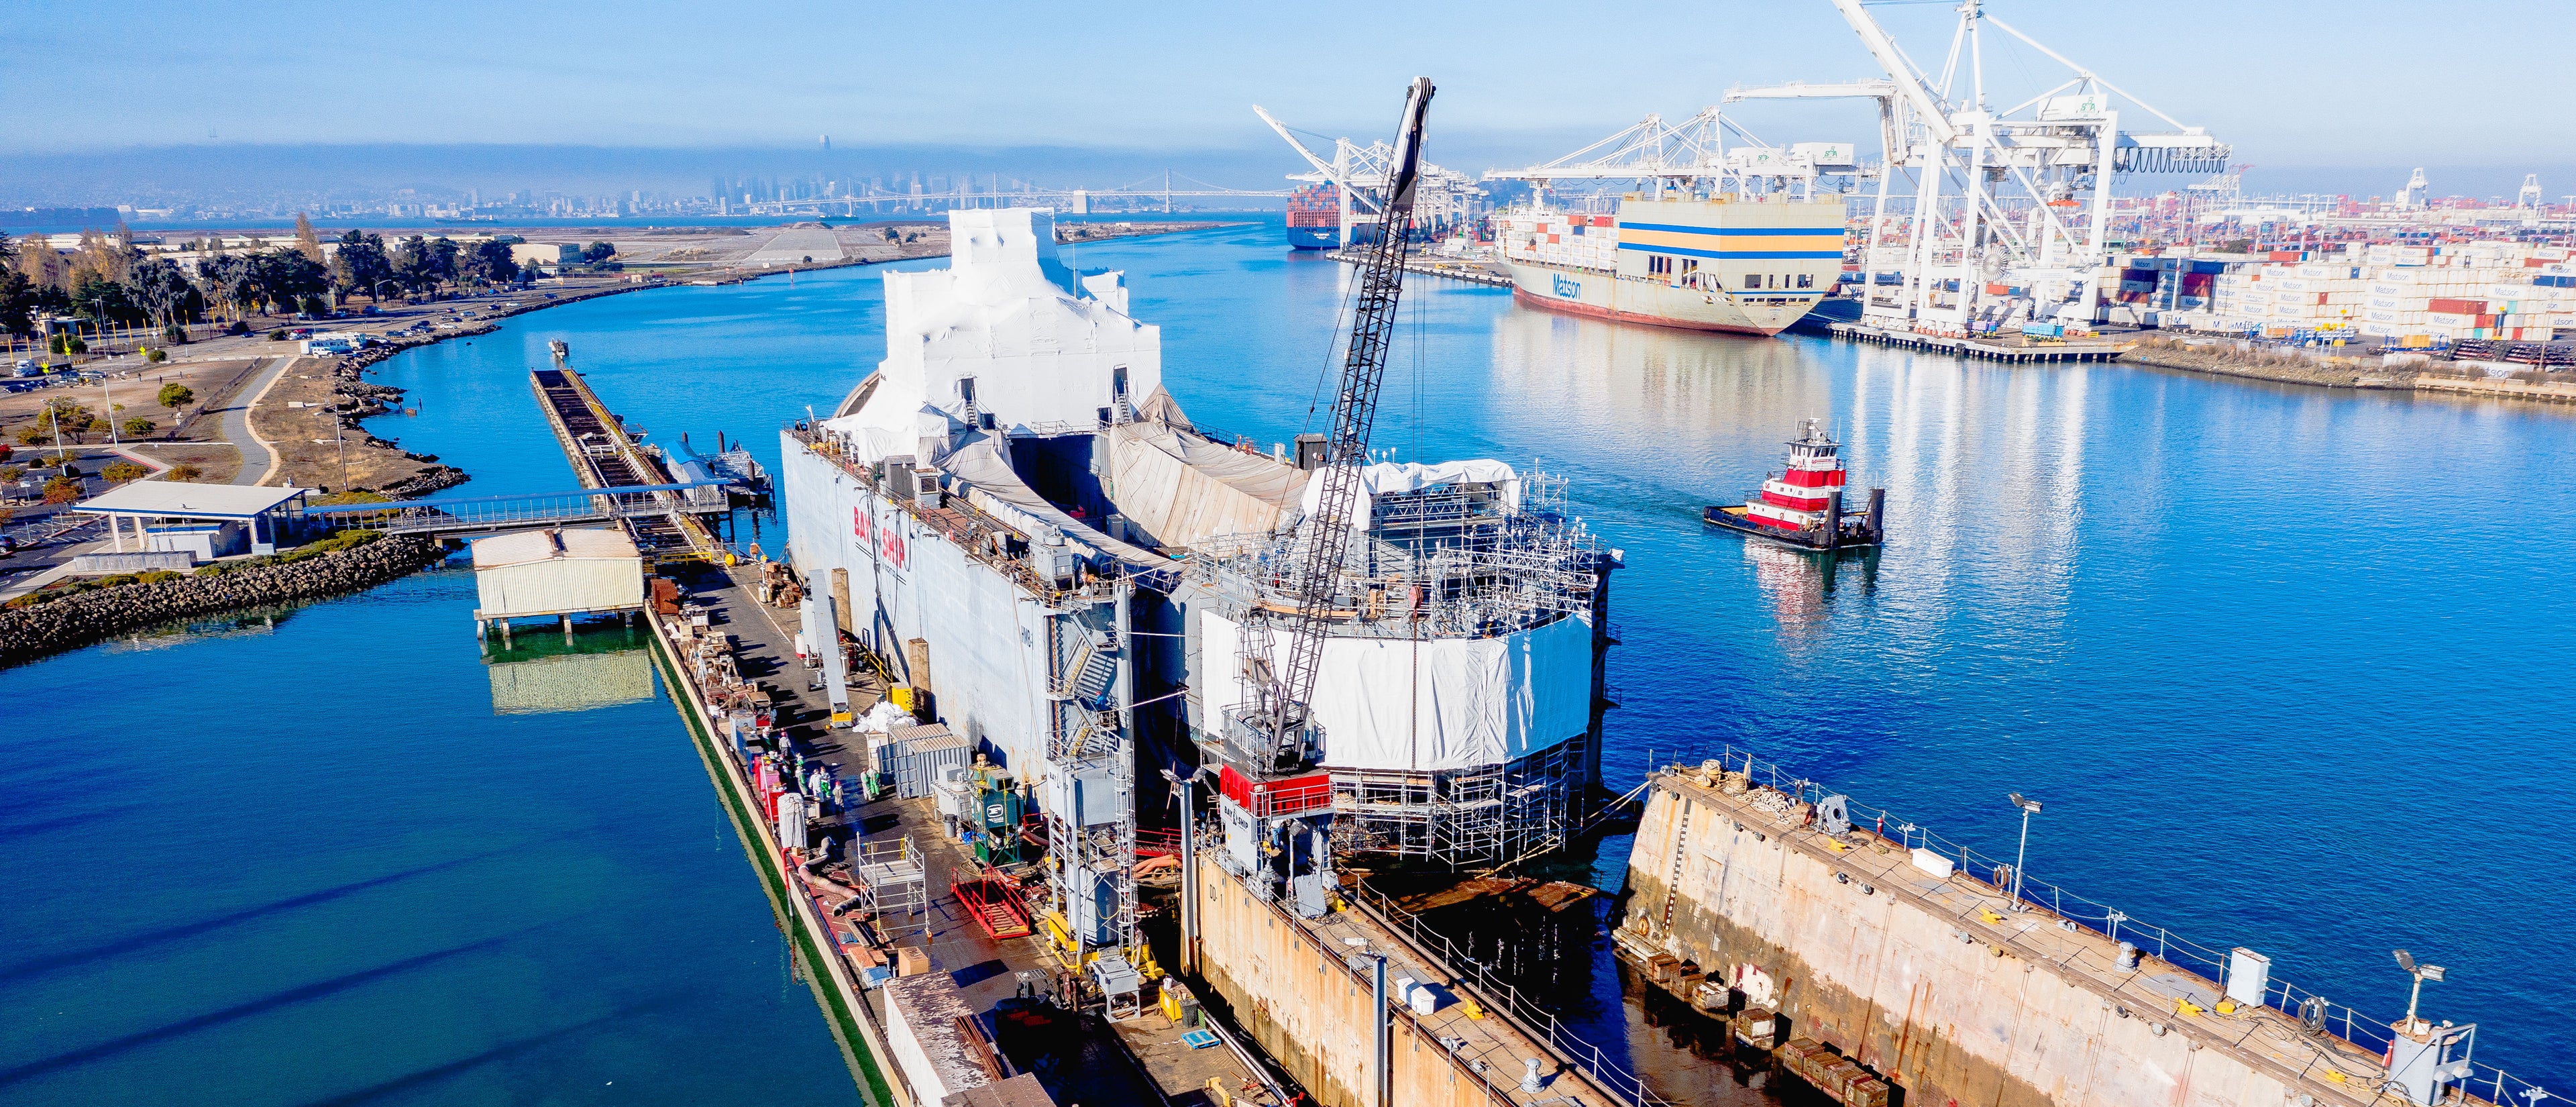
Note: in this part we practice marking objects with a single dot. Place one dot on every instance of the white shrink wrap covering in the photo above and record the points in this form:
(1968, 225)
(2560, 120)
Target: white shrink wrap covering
(1435, 704)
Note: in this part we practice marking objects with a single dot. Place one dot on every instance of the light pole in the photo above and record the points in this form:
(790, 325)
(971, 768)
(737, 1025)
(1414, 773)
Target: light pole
(2029, 807)
(2406, 962)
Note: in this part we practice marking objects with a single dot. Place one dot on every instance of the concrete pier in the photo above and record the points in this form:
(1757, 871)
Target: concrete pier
(2007, 348)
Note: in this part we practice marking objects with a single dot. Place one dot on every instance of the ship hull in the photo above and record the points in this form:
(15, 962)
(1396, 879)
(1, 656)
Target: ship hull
(1856, 536)
(1314, 238)
(1601, 295)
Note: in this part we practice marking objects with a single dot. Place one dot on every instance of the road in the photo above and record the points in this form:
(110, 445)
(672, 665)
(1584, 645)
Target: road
(255, 457)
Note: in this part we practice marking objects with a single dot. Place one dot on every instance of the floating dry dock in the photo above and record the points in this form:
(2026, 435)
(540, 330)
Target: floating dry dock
(1844, 950)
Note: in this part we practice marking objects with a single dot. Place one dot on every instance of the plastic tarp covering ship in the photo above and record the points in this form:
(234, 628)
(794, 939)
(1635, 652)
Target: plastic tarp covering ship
(1436, 703)
(997, 490)
(1388, 478)
(1183, 489)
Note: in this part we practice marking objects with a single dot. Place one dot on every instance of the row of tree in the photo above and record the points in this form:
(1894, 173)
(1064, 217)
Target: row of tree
(107, 280)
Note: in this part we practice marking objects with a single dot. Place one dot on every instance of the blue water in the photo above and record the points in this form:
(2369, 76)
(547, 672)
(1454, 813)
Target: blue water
(2277, 660)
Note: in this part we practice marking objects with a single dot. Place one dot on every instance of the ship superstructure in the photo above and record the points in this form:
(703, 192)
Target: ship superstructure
(1024, 525)
(1746, 265)
(1692, 233)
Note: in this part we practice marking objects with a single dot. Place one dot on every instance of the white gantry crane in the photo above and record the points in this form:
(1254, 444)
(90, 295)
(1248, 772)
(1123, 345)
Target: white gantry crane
(1692, 156)
(1359, 174)
(2020, 192)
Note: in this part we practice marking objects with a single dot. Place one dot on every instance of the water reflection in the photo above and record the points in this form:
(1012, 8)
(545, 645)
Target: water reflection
(540, 673)
(1797, 588)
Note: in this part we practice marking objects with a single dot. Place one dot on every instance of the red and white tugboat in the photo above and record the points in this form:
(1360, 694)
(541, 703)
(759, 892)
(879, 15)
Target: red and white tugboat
(1802, 506)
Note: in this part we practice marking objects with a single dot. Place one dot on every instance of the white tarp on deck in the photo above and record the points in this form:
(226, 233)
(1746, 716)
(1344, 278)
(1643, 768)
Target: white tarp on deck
(1388, 478)
(1440, 703)
(1184, 489)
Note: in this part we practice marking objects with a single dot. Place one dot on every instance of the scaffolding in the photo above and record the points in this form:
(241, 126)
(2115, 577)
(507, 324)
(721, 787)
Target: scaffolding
(1463, 818)
(1458, 560)
(1444, 562)
(1089, 810)
(893, 888)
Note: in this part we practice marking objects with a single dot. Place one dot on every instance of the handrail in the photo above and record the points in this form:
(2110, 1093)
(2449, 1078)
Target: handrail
(1584, 1055)
(2369, 1034)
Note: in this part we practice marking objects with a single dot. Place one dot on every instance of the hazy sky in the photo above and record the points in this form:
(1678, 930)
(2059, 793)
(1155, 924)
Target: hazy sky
(2356, 82)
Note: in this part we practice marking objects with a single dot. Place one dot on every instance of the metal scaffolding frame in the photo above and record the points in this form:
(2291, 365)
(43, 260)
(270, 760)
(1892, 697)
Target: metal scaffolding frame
(1090, 745)
(1451, 561)
(893, 887)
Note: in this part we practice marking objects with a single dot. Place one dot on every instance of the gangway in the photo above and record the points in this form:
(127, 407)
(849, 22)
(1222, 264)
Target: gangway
(469, 514)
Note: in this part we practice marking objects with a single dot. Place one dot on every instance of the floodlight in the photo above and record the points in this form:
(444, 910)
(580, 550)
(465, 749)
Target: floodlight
(2405, 961)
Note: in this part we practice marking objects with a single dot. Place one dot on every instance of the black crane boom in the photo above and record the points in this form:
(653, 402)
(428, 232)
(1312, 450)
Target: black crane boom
(1285, 692)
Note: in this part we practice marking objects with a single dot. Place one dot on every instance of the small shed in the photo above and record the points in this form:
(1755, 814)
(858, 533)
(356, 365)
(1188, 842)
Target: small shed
(564, 571)
(206, 521)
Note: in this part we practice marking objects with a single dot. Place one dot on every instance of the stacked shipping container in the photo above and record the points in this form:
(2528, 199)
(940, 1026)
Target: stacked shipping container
(1558, 239)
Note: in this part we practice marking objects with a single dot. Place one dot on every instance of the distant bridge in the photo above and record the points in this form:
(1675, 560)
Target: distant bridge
(470, 514)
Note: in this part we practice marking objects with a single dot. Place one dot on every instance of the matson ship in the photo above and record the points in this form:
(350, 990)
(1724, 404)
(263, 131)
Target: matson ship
(1745, 265)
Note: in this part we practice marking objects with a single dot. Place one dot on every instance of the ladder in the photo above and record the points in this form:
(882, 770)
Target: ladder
(1681, 853)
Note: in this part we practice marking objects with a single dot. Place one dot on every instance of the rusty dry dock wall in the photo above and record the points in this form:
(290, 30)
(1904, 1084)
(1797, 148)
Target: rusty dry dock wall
(1946, 1006)
(1305, 1008)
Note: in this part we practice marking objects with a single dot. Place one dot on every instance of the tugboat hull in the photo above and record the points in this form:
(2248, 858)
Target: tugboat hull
(1857, 534)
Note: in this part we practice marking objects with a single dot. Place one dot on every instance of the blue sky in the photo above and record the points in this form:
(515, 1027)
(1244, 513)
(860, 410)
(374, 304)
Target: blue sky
(2362, 82)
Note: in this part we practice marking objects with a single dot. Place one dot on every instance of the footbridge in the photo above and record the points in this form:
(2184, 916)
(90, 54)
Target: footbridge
(653, 503)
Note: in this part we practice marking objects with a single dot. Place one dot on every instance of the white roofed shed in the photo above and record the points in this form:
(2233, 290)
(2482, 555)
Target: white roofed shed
(563, 571)
(207, 520)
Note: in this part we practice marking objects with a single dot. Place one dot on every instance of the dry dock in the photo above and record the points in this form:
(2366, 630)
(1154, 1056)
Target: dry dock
(742, 659)
(1881, 962)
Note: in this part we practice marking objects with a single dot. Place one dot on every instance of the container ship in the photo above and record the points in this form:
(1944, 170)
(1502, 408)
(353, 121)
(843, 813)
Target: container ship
(1023, 524)
(1315, 219)
(1741, 265)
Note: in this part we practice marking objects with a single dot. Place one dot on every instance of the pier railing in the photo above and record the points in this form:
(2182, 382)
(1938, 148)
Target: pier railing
(1491, 988)
(467, 513)
(1500, 1086)
(2312, 1010)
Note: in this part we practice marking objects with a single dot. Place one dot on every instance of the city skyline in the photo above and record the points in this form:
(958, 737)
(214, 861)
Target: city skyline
(2290, 85)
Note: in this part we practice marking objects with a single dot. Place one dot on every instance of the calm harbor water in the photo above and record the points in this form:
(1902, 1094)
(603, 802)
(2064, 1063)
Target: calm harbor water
(2280, 663)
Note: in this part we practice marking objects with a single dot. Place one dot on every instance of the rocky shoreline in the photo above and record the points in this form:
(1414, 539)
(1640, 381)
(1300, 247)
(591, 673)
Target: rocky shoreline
(37, 630)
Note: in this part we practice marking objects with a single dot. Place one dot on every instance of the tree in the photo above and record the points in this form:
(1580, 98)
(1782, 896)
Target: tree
(228, 280)
(137, 426)
(43, 266)
(286, 277)
(306, 242)
(361, 264)
(73, 418)
(184, 471)
(421, 265)
(162, 291)
(119, 472)
(103, 257)
(491, 262)
(63, 490)
(106, 303)
(177, 395)
(598, 252)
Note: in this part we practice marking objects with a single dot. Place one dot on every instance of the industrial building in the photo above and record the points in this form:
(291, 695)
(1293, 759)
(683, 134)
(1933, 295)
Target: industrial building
(559, 572)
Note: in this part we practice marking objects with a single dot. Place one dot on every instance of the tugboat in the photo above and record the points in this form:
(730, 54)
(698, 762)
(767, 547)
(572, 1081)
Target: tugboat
(1802, 506)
